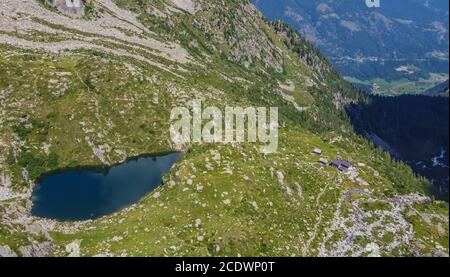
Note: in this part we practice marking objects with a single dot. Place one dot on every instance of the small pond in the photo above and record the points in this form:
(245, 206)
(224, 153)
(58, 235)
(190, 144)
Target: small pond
(82, 194)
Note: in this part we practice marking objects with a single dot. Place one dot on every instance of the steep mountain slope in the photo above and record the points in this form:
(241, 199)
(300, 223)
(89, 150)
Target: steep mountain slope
(399, 41)
(96, 88)
(439, 90)
(414, 129)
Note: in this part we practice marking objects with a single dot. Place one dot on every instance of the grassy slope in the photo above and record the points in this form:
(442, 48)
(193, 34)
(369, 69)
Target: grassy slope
(111, 104)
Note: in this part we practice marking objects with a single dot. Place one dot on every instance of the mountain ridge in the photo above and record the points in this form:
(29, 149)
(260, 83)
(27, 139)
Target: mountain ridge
(392, 42)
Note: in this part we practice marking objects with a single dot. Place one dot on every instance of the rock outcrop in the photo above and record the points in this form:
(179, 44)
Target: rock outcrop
(5, 251)
(36, 250)
(74, 8)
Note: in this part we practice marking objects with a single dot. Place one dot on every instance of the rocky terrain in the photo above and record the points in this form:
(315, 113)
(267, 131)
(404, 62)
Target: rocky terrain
(96, 86)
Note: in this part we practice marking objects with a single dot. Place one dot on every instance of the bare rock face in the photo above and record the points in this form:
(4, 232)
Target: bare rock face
(74, 8)
(36, 250)
(186, 5)
(5, 251)
(73, 248)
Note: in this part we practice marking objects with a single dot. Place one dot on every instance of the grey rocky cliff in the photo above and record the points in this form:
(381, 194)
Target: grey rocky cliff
(73, 8)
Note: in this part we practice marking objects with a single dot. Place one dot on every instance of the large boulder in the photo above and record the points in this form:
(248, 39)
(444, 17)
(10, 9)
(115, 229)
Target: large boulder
(73, 248)
(186, 5)
(36, 250)
(74, 8)
(5, 251)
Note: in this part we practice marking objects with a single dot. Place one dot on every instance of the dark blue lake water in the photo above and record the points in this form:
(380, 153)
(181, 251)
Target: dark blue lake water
(82, 194)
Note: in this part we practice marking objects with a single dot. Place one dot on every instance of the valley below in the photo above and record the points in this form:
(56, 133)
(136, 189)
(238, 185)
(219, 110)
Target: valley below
(398, 48)
(413, 129)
